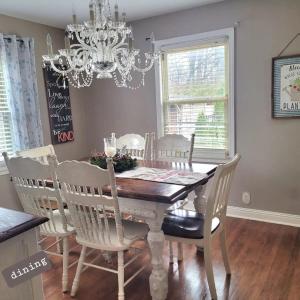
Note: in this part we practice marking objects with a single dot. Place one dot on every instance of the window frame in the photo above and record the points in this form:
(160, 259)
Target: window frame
(200, 155)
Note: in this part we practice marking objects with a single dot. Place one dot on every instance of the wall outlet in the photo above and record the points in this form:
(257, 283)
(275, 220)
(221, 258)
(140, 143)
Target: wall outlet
(246, 198)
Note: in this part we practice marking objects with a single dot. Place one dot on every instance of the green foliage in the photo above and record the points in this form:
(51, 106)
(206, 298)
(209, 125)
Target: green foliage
(210, 129)
(121, 162)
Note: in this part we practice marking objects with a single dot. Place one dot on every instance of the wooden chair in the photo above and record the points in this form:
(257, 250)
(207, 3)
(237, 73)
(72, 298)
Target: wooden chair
(179, 149)
(39, 153)
(134, 145)
(174, 148)
(30, 179)
(97, 217)
(189, 227)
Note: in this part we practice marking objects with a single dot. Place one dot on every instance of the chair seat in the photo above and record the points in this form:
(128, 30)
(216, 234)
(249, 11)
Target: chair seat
(133, 231)
(58, 230)
(186, 224)
(67, 214)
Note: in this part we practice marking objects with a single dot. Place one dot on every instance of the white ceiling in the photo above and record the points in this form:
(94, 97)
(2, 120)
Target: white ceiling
(58, 13)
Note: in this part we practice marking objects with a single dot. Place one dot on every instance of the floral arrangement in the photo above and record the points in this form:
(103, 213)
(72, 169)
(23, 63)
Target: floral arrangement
(122, 162)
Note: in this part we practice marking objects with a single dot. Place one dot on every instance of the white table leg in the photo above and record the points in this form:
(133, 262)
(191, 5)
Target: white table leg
(200, 204)
(153, 214)
(159, 278)
(199, 200)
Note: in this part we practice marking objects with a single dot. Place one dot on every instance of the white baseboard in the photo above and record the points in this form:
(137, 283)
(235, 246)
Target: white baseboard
(263, 216)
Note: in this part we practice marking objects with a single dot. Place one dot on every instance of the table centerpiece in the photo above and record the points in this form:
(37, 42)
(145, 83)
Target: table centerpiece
(121, 162)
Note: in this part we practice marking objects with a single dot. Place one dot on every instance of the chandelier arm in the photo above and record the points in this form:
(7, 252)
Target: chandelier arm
(145, 69)
(81, 41)
(63, 72)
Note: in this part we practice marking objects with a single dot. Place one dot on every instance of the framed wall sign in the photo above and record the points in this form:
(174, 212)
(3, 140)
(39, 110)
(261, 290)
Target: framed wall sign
(59, 107)
(286, 87)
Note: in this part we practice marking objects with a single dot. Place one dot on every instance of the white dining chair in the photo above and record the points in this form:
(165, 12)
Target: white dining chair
(134, 145)
(174, 148)
(39, 153)
(31, 178)
(97, 217)
(190, 227)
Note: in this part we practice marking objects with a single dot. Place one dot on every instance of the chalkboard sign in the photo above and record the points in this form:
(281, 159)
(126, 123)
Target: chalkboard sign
(59, 107)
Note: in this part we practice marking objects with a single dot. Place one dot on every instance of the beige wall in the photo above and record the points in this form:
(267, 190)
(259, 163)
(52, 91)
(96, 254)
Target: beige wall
(269, 168)
(74, 150)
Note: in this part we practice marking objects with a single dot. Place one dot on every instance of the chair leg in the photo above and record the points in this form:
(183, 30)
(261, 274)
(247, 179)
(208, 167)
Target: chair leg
(78, 271)
(171, 252)
(180, 252)
(209, 270)
(65, 274)
(121, 294)
(107, 256)
(224, 251)
(59, 246)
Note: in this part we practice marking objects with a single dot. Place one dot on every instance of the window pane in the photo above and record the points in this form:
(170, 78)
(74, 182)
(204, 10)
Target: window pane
(206, 120)
(196, 73)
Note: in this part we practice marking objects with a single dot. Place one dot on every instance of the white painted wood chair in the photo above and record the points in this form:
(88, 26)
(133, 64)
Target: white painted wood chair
(97, 217)
(134, 145)
(174, 148)
(30, 179)
(189, 227)
(178, 149)
(39, 153)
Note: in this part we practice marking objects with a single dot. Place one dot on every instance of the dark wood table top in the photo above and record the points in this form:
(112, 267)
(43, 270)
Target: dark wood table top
(158, 191)
(14, 222)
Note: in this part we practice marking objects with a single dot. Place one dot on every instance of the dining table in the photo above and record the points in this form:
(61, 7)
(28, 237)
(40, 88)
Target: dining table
(149, 200)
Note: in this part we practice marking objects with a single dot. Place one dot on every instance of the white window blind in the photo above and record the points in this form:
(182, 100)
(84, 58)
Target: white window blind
(195, 95)
(6, 141)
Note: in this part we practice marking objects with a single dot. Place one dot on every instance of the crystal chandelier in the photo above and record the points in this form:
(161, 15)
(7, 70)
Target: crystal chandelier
(100, 47)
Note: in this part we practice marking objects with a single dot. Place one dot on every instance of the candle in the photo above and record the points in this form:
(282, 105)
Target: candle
(113, 135)
(110, 151)
(74, 18)
(49, 44)
(67, 43)
(92, 13)
(130, 43)
(152, 37)
(74, 14)
(116, 13)
(124, 17)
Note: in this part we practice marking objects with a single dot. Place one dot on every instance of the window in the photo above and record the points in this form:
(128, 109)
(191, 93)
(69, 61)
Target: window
(20, 124)
(6, 140)
(195, 92)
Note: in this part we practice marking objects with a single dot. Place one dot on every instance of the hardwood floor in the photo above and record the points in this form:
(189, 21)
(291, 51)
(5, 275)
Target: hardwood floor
(265, 263)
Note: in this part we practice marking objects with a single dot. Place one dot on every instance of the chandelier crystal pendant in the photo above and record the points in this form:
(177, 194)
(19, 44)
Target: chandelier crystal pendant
(101, 48)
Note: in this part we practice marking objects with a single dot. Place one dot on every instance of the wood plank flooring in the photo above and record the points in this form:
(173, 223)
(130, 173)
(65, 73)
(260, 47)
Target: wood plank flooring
(265, 263)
